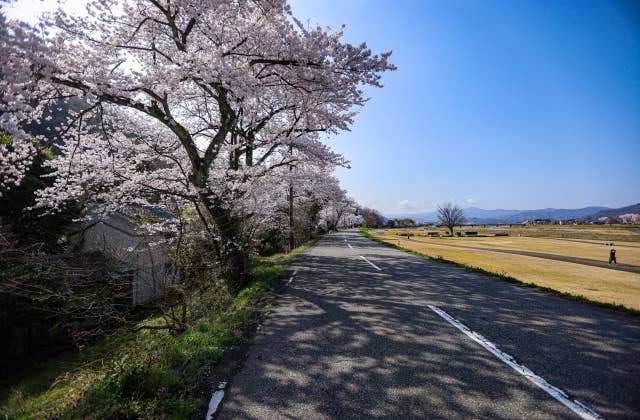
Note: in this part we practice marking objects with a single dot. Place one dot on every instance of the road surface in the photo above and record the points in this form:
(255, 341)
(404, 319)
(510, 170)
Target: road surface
(366, 331)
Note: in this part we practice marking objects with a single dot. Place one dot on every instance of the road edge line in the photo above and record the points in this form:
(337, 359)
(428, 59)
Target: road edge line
(574, 405)
(216, 399)
(292, 276)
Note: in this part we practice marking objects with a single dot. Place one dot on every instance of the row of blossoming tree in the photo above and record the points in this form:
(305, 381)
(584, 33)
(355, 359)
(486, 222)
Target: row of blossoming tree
(214, 108)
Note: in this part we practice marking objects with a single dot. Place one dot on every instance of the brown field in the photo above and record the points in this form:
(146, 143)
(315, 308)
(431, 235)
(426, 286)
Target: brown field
(595, 283)
(626, 233)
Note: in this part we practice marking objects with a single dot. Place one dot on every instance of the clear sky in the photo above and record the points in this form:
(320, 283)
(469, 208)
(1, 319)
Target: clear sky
(496, 104)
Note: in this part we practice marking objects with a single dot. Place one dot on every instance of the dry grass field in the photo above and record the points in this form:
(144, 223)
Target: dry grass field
(595, 283)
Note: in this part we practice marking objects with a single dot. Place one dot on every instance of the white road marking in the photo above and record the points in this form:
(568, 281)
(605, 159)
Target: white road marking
(574, 405)
(371, 264)
(291, 278)
(349, 245)
(215, 401)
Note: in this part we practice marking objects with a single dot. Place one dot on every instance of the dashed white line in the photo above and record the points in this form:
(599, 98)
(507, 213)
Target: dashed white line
(292, 276)
(215, 401)
(349, 245)
(371, 264)
(574, 405)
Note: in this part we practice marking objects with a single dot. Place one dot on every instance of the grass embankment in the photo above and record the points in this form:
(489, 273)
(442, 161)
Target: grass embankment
(601, 286)
(151, 374)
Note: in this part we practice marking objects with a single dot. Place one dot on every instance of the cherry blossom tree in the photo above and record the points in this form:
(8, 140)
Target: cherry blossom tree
(338, 209)
(631, 218)
(197, 101)
(19, 47)
(606, 220)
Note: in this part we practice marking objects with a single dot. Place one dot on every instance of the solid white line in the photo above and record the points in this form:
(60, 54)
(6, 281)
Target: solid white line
(216, 399)
(371, 264)
(574, 405)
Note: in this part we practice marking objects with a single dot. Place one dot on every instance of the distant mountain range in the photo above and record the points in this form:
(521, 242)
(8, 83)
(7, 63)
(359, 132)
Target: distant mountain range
(501, 216)
(634, 208)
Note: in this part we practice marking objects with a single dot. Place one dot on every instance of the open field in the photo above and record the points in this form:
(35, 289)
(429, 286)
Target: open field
(595, 283)
(599, 233)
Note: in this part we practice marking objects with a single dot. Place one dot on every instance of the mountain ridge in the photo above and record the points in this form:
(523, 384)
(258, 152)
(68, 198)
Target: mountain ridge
(482, 216)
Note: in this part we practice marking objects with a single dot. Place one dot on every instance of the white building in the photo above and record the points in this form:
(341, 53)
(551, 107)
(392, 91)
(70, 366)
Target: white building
(116, 236)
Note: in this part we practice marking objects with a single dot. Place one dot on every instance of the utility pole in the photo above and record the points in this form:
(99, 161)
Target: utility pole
(291, 221)
(291, 236)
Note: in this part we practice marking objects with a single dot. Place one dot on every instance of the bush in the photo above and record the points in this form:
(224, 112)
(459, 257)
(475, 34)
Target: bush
(433, 233)
(458, 233)
(49, 302)
(471, 233)
(151, 374)
(501, 234)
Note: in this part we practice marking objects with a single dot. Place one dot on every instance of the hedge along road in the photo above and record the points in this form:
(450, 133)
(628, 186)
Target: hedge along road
(364, 330)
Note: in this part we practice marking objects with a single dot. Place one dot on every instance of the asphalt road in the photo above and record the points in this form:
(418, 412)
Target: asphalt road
(346, 340)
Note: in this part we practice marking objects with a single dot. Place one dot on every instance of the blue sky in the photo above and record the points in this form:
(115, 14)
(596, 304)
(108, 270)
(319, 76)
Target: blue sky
(496, 104)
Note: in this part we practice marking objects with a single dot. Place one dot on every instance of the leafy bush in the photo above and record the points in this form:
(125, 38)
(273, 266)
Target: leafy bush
(151, 374)
(48, 301)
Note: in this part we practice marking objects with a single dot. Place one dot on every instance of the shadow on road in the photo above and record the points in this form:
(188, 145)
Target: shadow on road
(348, 341)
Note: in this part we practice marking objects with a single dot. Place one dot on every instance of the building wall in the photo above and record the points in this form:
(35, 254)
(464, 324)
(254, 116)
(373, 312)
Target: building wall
(115, 235)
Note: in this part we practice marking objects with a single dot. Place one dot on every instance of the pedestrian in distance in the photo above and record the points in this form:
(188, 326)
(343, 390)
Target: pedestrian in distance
(612, 255)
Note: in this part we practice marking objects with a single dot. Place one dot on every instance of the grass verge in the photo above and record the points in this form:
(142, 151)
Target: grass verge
(366, 233)
(151, 374)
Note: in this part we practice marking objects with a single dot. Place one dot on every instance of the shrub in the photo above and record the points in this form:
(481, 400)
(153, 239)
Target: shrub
(49, 302)
(501, 234)
(471, 233)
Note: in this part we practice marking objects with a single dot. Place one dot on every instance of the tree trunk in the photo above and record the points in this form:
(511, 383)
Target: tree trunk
(230, 245)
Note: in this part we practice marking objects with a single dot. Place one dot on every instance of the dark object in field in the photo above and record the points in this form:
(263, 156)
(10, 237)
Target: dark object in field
(501, 234)
(612, 256)
(470, 233)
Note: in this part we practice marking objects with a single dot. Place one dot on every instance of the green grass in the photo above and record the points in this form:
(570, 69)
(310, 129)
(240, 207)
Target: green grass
(151, 374)
(366, 233)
